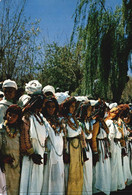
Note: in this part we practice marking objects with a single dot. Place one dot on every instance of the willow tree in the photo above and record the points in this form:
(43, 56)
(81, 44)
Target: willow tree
(103, 39)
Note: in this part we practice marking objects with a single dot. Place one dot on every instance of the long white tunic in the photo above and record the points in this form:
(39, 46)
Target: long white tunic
(2, 183)
(130, 152)
(126, 165)
(4, 104)
(53, 182)
(102, 169)
(88, 166)
(117, 176)
(32, 174)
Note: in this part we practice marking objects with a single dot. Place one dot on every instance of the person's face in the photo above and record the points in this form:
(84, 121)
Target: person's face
(127, 119)
(9, 93)
(72, 108)
(51, 108)
(89, 110)
(113, 114)
(11, 117)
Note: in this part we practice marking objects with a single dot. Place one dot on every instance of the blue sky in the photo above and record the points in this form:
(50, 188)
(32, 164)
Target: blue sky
(56, 17)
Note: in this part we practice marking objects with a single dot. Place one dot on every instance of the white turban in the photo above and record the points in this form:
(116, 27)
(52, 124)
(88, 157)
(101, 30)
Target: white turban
(93, 102)
(48, 88)
(113, 105)
(33, 87)
(9, 83)
(23, 100)
(61, 96)
(81, 98)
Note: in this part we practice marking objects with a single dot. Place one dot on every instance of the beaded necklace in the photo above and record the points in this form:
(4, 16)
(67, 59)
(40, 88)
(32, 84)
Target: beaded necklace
(119, 125)
(55, 124)
(87, 131)
(39, 119)
(25, 138)
(11, 132)
(43, 146)
(72, 125)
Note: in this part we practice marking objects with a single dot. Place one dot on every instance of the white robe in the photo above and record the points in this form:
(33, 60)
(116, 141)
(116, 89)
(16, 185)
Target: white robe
(4, 104)
(130, 152)
(88, 167)
(53, 182)
(126, 165)
(2, 183)
(32, 174)
(102, 169)
(117, 175)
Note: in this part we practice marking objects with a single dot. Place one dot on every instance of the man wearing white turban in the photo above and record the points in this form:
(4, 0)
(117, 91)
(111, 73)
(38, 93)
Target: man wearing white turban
(32, 87)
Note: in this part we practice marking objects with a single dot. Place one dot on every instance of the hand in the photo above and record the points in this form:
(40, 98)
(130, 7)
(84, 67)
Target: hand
(95, 158)
(36, 158)
(2, 166)
(123, 151)
(85, 155)
(8, 159)
(110, 154)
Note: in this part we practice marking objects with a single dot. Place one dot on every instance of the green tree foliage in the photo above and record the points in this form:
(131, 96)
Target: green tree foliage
(127, 16)
(18, 47)
(61, 67)
(104, 44)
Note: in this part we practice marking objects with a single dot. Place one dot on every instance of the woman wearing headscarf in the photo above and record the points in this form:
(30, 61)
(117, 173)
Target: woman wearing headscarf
(54, 167)
(116, 137)
(101, 153)
(34, 132)
(86, 122)
(123, 112)
(9, 88)
(128, 123)
(73, 157)
(10, 131)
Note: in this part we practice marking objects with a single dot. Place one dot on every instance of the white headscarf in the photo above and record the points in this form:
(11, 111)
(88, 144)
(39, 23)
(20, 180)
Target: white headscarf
(33, 87)
(48, 88)
(9, 83)
(61, 96)
(113, 105)
(23, 100)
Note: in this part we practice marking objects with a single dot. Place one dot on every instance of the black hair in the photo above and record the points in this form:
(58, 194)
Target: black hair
(44, 111)
(16, 110)
(64, 107)
(35, 102)
(82, 112)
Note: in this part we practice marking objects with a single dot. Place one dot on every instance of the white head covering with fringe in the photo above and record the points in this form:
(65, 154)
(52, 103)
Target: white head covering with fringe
(48, 88)
(33, 86)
